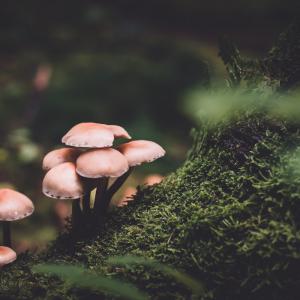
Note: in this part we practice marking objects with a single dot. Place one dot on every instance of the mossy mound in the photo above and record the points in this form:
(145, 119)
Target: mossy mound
(229, 216)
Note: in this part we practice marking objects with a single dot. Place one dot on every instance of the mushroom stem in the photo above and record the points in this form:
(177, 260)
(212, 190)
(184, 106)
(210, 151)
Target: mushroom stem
(86, 203)
(100, 204)
(76, 214)
(116, 185)
(6, 234)
(86, 199)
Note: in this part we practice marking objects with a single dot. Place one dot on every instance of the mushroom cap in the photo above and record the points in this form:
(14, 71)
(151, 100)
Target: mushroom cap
(89, 135)
(14, 205)
(153, 179)
(59, 156)
(62, 182)
(106, 162)
(7, 255)
(141, 151)
(118, 131)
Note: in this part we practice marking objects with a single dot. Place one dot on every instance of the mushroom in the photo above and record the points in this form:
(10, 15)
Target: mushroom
(103, 164)
(97, 164)
(153, 179)
(59, 156)
(62, 182)
(7, 256)
(93, 135)
(130, 191)
(127, 196)
(136, 153)
(13, 206)
(89, 135)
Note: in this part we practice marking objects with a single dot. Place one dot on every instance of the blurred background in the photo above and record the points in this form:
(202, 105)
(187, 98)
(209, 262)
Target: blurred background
(130, 63)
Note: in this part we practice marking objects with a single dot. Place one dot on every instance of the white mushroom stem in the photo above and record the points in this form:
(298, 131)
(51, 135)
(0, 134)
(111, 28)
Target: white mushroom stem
(6, 234)
(86, 199)
(100, 204)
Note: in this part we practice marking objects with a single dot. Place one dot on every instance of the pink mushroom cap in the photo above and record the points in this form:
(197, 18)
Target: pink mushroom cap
(59, 156)
(14, 205)
(62, 182)
(118, 131)
(106, 162)
(89, 135)
(141, 151)
(7, 255)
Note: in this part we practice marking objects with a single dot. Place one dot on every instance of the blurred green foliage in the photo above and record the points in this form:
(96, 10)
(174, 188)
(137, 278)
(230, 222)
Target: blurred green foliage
(84, 278)
(80, 277)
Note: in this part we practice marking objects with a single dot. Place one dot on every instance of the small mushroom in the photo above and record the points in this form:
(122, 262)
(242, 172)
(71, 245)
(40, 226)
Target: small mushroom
(103, 164)
(59, 156)
(62, 182)
(141, 151)
(153, 179)
(7, 256)
(136, 153)
(127, 196)
(13, 206)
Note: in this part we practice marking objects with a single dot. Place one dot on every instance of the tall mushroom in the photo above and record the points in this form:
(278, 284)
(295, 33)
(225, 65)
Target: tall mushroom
(94, 135)
(13, 206)
(7, 256)
(103, 164)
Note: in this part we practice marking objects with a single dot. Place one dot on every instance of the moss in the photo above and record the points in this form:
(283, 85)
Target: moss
(229, 217)
(279, 69)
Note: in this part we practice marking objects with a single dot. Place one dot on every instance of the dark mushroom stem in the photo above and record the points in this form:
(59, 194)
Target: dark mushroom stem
(100, 205)
(76, 214)
(117, 184)
(6, 234)
(86, 203)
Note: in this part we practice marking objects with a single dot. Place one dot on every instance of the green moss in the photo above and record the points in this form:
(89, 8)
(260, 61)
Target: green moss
(230, 216)
(280, 69)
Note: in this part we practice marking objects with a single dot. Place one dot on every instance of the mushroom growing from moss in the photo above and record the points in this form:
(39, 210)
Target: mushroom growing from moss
(7, 256)
(91, 162)
(62, 182)
(136, 153)
(13, 206)
(102, 164)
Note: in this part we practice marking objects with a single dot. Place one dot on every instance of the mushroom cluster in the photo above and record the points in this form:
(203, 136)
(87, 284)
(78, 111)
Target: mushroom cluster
(13, 206)
(90, 161)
